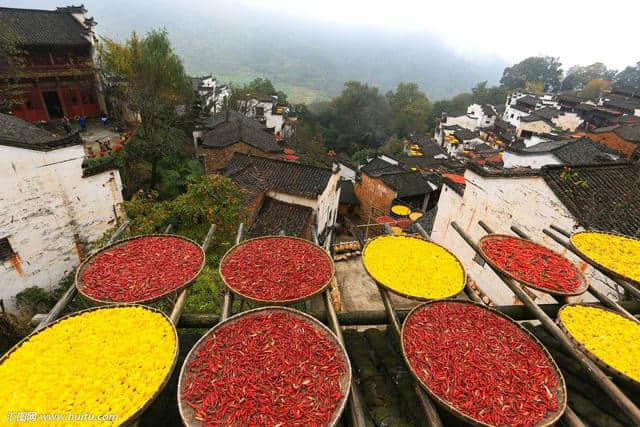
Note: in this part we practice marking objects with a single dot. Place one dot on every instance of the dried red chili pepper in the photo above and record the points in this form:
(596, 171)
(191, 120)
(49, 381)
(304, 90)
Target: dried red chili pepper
(141, 269)
(266, 369)
(481, 363)
(276, 269)
(530, 262)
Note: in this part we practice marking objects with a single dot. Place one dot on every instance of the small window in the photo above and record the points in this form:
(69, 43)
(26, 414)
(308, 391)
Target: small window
(6, 251)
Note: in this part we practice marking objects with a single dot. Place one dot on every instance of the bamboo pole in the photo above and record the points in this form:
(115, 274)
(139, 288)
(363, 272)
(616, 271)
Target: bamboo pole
(356, 411)
(430, 410)
(227, 302)
(182, 297)
(379, 317)
(599, 377)
(631, 289)
(62, 303)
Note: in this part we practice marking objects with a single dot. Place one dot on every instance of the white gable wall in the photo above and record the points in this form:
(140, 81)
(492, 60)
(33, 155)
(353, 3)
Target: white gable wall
(45, 202)
(501, 202)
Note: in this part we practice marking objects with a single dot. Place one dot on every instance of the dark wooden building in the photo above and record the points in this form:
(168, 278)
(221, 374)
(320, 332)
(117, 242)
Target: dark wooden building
(56, 75)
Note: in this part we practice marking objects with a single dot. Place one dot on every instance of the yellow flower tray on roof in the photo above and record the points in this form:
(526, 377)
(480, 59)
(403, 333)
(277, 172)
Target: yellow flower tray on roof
(414, 216)
(102, 361)
(413, 267)
(617, 254)
(400, 210)
(611, 339)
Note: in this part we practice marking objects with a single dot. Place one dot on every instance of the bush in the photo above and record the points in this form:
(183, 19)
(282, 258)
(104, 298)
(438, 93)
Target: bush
(34, 300)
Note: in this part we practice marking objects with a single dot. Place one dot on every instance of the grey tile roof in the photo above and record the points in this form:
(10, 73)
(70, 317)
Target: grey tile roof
(262, 174)
(377, 166)
(238, 128)
(488, 110)
(601, 197)
(528, 100)
(465, 134)
(19, 133)
(585, 152)
(44, 27)
(629, 133)
(406, 184)
(275, 216)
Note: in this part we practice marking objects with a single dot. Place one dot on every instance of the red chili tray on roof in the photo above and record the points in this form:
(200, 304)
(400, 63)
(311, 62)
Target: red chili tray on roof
(265, 367)
(482, 366)
(533, 265)
(276, 269)
(140, 269)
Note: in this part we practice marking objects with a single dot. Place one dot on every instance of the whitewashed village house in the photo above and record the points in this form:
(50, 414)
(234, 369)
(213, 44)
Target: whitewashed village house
(286, 196)
(51, 207)
(265, 108)
(212, 96)
(602, 197)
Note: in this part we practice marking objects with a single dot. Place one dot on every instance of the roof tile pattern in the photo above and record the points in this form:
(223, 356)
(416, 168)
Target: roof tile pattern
(19, 133)
(603, 197)
(43, 27)
(239, 128)
(262, 174)
(275, 216)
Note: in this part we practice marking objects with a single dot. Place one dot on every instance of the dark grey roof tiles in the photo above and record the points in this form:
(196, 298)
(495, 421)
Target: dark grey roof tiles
(18, 133)
(44, 27)
(275, 216)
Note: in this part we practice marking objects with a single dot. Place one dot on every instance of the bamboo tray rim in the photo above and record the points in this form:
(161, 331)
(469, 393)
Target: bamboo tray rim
(599, 265)
(138, 412)
(271, 301)
(580, 346)
(561, 388)
(91, 258)
(187, 413)
(581, 289)
(408, 296)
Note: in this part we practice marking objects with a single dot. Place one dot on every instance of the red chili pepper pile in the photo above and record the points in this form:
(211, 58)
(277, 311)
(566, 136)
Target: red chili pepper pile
(142, 269)
(481, 363)
(277, 269)
(530, 262)
(267, 369)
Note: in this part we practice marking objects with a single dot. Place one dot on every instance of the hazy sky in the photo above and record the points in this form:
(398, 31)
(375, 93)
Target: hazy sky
(577, 31)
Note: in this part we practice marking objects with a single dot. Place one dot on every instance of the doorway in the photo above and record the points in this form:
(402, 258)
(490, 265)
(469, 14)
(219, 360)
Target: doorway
(54, 107)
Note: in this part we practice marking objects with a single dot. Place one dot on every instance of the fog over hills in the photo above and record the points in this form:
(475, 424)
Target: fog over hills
(309, 59)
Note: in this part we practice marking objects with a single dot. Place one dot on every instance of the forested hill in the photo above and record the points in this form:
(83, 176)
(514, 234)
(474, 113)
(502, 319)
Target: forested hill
(308, 60)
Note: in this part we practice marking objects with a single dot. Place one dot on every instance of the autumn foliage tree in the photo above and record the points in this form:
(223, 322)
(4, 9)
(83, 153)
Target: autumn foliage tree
(148, 77)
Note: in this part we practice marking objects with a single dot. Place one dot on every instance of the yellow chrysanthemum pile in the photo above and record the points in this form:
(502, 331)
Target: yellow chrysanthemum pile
(414, 267)
(617, 253)
(609, 336)
(103, 362)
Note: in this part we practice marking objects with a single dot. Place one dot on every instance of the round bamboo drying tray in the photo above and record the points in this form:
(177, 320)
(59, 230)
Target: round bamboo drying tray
(602, 266)
(412, 297)
(187, 413)
(130, 421)
(604, 365)
(276, 302)
(560, 390)
(582, 287)
(86, 263)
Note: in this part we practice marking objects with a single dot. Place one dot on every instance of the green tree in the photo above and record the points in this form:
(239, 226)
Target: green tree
(630, 76)
(545, 69)
(494, 95)
(452, 106)
(11, 62)
(358, 118)
(594, 89)
(578, 76)
(209, 199)
(259, 86)
(149, 78)
(410, 109)
(393, 146)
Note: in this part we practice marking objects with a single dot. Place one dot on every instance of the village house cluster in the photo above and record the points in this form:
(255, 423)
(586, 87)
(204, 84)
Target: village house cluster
(537, 159)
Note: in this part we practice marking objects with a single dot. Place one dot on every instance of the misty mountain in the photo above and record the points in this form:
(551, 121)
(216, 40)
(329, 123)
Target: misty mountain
(307, 58)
